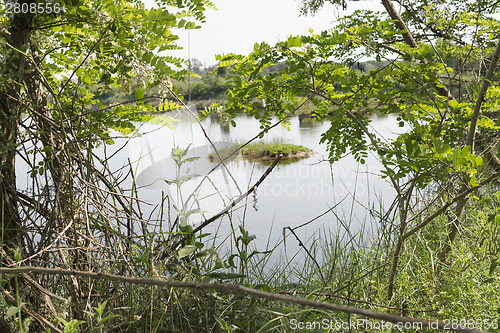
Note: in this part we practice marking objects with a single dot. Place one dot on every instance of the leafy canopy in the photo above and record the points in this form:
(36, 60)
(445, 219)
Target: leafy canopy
(94, 45)
(412, 82)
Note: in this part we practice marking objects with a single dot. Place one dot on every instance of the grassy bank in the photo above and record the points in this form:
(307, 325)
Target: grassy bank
(333, 267)
(464, 290)
(337, 266)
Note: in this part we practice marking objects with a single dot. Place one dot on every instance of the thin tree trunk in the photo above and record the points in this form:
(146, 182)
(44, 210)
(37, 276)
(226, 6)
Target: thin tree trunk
(470, 140)
(12, 70)
(402, 198)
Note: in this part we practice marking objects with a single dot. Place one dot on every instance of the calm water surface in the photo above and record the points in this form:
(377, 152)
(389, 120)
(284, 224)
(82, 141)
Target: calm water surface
(290, 196)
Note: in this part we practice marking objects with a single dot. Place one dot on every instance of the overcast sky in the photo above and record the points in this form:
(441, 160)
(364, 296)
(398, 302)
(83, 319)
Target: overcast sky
(238, 24)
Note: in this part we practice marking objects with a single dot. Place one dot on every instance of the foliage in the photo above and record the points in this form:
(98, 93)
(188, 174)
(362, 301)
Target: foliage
(428, 67)
(54, 68)
(98, 315)
(208, 86)
(431, 79)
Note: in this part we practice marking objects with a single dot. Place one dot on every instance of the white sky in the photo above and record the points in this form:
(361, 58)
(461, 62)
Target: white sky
(238, 24)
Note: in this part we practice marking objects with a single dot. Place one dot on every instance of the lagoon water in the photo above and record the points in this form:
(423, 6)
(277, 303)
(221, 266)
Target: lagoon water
(290, 196)
(293, 194)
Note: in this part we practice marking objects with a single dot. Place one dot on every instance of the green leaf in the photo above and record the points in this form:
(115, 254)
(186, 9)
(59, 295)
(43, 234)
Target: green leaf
(465, 152)
(230, 260)
(191, 212)
(12, 311)
(171, 181)
(186, 251)
(446, 149)
(139, 94)
(190, 159)
(490, 280)
(493, 266)
(147, 56)
(185, 178)
(294, 41)
(108, 318)
(248, 239)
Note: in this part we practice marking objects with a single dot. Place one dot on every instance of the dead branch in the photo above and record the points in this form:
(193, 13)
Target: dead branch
(235, 288)
(235, 201)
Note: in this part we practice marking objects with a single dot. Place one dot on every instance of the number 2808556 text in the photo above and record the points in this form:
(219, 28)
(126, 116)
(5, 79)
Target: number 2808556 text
(34, 8)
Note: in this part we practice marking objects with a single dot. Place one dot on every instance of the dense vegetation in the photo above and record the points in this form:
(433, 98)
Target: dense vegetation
(79, 254)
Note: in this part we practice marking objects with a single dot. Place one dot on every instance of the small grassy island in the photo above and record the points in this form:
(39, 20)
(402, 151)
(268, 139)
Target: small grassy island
(267, 151)
(263, 150)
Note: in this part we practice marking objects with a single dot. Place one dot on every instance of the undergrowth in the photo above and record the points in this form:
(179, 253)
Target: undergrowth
(333, 266)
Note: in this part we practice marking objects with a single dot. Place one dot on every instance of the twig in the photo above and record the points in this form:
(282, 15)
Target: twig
(238, 199)
(242, 196)
(307, 252)
(86, 57)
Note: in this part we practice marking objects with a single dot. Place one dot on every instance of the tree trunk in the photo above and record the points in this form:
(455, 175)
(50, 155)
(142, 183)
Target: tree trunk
(470, 141)
(12, 69)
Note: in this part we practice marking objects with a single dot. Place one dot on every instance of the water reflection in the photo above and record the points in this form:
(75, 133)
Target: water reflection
(291, 195)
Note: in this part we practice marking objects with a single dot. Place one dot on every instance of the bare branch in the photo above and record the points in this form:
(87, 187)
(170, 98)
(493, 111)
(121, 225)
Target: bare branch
(480, 98)
(235, 288)
(238, 199)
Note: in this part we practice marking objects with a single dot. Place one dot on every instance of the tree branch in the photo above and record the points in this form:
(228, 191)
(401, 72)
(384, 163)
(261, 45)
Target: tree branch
(480, 98)
(235, 288)
(238, 199)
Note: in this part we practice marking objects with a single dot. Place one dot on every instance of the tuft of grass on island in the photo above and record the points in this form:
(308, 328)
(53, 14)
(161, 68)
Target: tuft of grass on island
(266, 152)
